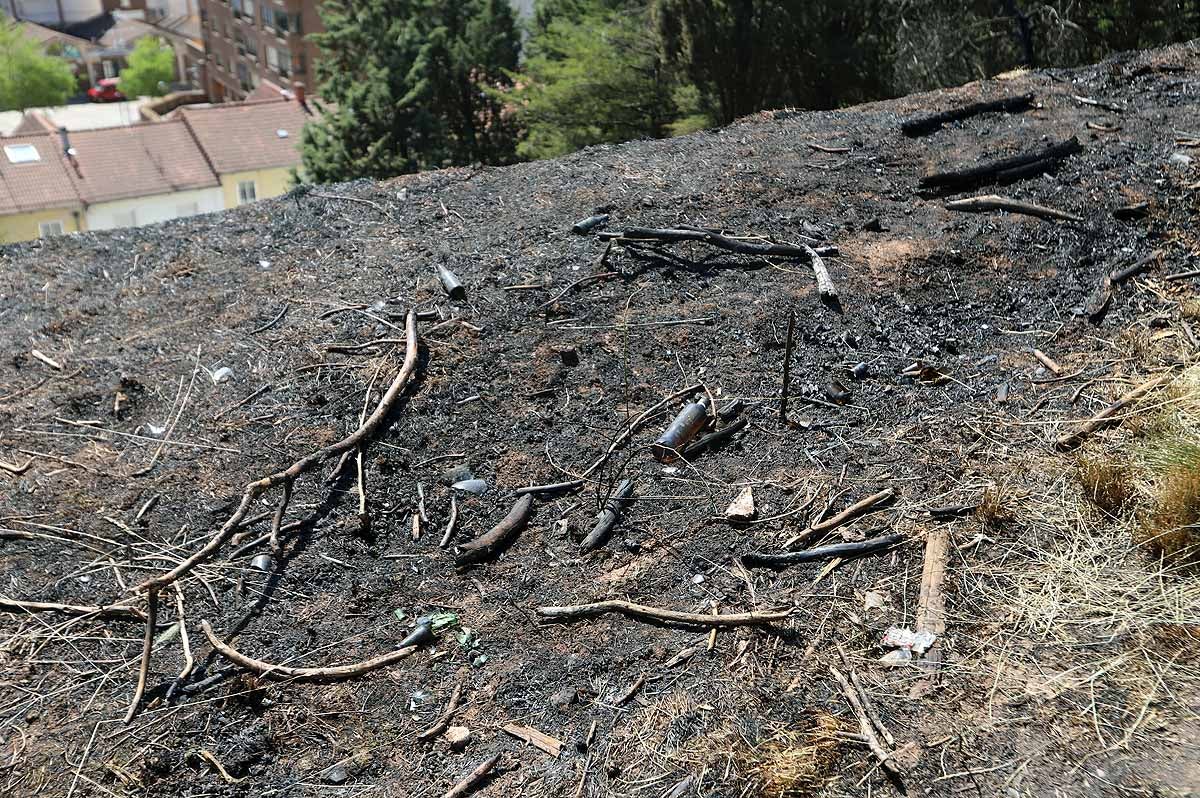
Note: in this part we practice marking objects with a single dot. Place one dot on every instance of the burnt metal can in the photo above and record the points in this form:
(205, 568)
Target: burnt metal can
(685, 426)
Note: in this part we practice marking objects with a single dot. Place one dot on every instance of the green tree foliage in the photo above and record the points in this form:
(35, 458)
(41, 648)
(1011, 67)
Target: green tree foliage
(151, 68)
(28, 77)
(745, 55)
(594, 73)
(405, 85)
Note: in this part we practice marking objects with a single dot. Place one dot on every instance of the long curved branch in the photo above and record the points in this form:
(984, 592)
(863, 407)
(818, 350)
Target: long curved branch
(645, 612)
(286, 477)
(287, 672)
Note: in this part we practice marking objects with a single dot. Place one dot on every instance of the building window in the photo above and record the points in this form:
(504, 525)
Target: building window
(21, 153)
(247, 191)
(110, 69)
(47, 229)
(248, 10)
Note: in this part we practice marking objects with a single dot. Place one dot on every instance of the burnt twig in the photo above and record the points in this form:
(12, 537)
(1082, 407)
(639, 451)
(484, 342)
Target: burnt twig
(1072, 440)
(842, 550)
(490, 543)
(608, 517)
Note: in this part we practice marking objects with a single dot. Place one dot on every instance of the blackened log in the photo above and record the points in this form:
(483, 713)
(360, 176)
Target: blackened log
(919, 126)
(988, 172)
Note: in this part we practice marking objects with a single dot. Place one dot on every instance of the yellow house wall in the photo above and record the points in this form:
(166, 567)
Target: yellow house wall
(24, 226)
(268, 183)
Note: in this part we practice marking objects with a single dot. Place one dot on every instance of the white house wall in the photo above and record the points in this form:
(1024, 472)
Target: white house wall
(159, 208)
(45, 12)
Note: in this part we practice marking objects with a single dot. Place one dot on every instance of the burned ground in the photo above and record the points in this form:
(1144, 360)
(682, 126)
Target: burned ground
(1069, 658)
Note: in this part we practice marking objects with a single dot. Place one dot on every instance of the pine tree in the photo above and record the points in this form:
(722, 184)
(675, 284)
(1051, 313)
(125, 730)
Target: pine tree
(594, 73)
(405, 87)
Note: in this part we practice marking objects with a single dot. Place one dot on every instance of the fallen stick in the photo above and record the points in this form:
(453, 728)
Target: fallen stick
(931, 601)
(644, 612)
(718, 240)
(1182, 275)
(993, 171)
(147, 648)
(1072, 440)
(474, 777)
(107, 611)
(842, 550)
(189, 662)
(445, 541)
(490, 543)
(825, 286)
(1137, 267)
(627, 696)
(993, 202)
(712, 438)
(444, 720)
(1048, 362)
(830, 150)
(538, 739)
(921, 125)
(864, 724)
(306, 463)
(869, 708)
(553, 487)
(845, 516)
(286, 672)
(608, 517)
(14, 469)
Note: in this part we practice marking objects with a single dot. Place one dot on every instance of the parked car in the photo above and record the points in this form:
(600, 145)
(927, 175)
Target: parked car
(106, 91)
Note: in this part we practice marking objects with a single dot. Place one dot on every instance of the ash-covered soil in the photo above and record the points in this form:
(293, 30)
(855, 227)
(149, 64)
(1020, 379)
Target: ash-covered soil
(141, 325)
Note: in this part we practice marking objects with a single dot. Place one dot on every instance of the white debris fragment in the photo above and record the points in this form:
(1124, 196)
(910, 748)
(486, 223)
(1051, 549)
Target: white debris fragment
(742, 508)
(221, 375)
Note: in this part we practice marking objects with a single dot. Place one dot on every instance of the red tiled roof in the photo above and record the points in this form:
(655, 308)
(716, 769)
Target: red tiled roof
(138, 161)
(41, 184)
(238, 137)
(32, 123)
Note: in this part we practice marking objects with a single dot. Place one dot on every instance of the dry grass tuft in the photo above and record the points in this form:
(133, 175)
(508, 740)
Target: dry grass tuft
(1172, 528)
(993, 511)
(1190, 309)
(796, 764)
(1106, 484)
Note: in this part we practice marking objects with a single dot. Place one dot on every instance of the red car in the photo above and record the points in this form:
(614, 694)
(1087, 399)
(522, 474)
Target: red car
(105, 91)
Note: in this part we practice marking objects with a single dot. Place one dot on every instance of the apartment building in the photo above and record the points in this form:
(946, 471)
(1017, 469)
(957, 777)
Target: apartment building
(251, 42)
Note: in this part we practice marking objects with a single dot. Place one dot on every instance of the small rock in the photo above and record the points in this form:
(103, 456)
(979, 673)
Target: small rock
(569, 357)
(698, 579)
(335, 775)
(564, 698)
(875, 225)
(1179, 159)
(742, 508)
(221, 375)
(458, 737)
(860, 371)
(261, 562)
(837, 393)
(475, 486)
